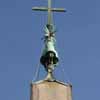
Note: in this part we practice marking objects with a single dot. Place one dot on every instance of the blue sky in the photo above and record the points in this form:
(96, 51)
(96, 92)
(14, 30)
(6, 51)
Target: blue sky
(78, 44)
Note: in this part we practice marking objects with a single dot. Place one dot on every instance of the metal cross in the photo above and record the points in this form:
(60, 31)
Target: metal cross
(50, 10)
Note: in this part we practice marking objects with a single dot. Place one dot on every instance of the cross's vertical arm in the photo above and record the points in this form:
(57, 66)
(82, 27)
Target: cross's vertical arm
(49, 12)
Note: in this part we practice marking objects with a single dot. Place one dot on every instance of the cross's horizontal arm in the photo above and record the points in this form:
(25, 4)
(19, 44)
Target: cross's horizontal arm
(46, 9)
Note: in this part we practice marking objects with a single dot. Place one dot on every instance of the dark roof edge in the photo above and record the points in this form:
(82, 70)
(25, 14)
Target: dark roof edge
(41, 81)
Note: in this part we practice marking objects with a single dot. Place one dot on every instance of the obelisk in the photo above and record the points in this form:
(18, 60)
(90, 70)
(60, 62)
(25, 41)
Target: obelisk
(50, 88)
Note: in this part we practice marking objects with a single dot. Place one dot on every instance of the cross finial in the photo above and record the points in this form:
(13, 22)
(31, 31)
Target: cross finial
(50, 10)
(49, 58)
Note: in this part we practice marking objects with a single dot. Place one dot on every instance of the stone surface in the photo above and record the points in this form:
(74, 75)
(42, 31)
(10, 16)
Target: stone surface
(50, 91)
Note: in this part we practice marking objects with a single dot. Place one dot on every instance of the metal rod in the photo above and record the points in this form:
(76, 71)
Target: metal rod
(46, 9)
(49, 12)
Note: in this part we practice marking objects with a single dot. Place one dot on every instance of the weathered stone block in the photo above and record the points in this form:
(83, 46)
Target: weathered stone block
(50, 91)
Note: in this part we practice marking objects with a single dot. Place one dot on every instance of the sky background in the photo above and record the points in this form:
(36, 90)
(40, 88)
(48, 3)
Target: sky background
(78, 44)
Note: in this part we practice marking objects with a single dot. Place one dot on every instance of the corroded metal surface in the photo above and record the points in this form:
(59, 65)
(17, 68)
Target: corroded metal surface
(50, 91)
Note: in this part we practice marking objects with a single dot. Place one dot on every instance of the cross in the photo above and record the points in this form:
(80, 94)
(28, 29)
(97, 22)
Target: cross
(50, 10)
